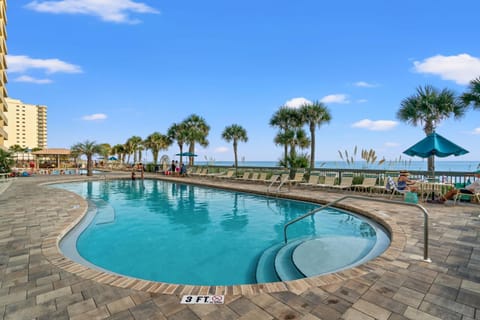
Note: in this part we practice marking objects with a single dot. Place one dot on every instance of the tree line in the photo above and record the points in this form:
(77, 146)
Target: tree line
(426, 108)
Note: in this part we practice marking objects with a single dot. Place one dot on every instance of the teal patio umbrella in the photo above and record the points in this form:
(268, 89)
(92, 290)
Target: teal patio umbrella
(186, 154)
(435, 145)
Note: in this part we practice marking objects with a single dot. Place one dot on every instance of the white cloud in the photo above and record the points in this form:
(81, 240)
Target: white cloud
(95, 116)
(20, 64)
(108, 10)
(391, 144)
(378, 125)
(362, 100)
(461, 68)
(32, 80)
(476, 131)
(335, 98)
(221, 150)
(364, 84)
(297, 102)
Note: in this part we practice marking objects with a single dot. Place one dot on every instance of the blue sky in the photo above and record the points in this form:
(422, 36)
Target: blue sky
(111, 69)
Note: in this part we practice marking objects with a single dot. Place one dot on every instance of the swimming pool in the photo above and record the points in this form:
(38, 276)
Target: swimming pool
(186, 234)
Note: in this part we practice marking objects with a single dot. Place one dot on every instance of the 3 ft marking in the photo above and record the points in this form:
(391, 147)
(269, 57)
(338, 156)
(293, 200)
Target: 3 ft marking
(207, 299)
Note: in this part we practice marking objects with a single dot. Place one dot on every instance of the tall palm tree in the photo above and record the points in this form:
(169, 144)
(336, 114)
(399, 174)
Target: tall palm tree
(288, 120)
(235, 133)
(314, 115)
(198, 130)
(119, 150)
(428, 107)
(178, 132)
(156, 142)
(15, 150)
(106, 151)
(87, 148)
(472, 96)
(132, 145)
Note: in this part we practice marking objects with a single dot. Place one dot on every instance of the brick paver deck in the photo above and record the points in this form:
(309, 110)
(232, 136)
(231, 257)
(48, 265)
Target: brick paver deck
(37, 282)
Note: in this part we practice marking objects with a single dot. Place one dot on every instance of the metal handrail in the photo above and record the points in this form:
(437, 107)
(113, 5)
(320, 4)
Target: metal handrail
(330, 204)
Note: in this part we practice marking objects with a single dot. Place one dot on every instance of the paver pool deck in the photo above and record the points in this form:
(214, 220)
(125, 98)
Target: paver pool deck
(37, 282)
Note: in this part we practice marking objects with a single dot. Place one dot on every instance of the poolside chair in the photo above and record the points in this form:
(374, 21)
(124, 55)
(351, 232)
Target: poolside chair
(298, 178)
(245, 177)
(273, 178)
(328, 180)
(312, 181)
(459, 195)
(369, 181)
(200, 172)
(254, 176)
(385, 187)
(261, 177)
(346, 181)
(226, 175)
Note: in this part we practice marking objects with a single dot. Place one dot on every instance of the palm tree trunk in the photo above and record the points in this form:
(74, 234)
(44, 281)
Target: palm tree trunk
(312, 148)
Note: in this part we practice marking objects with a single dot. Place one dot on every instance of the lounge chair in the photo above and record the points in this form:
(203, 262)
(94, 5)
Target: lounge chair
(471, 196)
(227, 175)
(245, 177)
(346, 181)
(254, 176)
(261, 177)
(273, 178)
(328, 180)
(386, 186)
(312, 181)
(298, 178)
(200, 172)
(369, 181)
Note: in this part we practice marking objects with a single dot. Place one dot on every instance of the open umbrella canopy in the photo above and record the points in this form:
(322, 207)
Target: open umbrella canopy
(435, 145)
(186, 154)
(112, 158)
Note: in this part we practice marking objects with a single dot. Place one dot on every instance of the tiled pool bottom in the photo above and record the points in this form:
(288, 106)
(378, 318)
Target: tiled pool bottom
(397, 287)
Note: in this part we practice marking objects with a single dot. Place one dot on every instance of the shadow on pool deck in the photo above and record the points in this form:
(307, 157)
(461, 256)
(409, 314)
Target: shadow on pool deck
(37, 282)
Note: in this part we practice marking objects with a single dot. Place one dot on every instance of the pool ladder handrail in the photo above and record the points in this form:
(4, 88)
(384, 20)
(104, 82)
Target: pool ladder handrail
(332, 203)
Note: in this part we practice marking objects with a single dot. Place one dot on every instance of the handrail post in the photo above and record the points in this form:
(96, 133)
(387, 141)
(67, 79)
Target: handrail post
(330, 204)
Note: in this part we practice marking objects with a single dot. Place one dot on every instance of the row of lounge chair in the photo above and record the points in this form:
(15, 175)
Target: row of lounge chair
(372, 183)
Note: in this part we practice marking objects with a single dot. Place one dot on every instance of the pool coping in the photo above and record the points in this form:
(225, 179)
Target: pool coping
(51, 250)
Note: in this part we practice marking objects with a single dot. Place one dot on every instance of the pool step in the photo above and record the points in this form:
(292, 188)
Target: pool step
(284, 266)
(105, 212)
(266, 265)
(275, 263)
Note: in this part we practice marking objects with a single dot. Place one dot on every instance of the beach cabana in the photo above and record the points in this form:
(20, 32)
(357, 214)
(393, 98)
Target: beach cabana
(55, 156)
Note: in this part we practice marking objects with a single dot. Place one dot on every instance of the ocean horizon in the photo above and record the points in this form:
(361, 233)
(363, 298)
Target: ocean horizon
(453, 166)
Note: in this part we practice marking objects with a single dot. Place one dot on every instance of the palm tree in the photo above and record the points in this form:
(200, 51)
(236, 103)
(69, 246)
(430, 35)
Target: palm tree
(178, 132)
(15, 150)
(6, 161)
(428, 107)
(156, 142)
(87, 148)
(198, 130)
(314, 114)
(235, 133)
(106, 151)
(119, 150)
(287, 120)
(472, 96)
(132, 145)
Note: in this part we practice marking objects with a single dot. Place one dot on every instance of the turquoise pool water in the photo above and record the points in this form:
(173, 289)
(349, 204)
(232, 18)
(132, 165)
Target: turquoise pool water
(187, 234)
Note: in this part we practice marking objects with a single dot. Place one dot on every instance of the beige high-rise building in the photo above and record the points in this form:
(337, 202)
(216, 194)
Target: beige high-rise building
(27, 124)
(3, 73)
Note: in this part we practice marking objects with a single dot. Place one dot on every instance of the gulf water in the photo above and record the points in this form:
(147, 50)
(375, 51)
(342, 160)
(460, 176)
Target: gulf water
(452, 166)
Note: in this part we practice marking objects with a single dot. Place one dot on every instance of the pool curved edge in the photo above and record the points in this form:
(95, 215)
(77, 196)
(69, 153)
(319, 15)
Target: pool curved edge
(51, 250)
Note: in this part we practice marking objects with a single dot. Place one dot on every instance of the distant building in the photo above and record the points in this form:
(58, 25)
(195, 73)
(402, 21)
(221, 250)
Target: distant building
(27, 124)
(3, 73)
